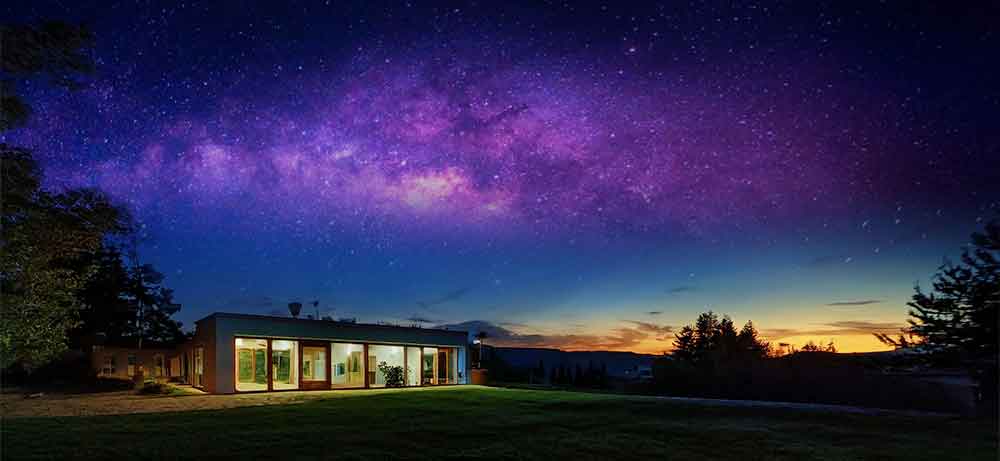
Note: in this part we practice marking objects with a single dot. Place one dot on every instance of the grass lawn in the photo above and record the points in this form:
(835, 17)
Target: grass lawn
(476, 422)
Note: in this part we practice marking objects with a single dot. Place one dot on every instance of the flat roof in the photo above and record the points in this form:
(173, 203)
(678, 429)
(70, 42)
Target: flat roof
(273, 318)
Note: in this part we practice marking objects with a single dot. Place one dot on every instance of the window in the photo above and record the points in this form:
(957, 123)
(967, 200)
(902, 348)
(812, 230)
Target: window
(377, 354)
(314, 364)
(251, 364)
(284, 364)
(131, 364)
(430, 365)
(412, 366)
(447, 365)
(199, 366)
(347, 366)
(158, 365)
(440, 365)
(108, 365)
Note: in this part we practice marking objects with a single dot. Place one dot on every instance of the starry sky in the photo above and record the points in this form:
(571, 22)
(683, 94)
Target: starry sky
(573, 175)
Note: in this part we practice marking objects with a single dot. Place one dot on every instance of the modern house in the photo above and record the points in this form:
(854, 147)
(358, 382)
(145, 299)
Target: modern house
(254, 353)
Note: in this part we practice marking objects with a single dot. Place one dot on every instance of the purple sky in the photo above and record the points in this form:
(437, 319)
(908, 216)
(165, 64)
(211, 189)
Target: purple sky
(565, 169)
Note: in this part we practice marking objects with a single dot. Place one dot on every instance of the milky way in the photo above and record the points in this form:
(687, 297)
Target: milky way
(683, 123)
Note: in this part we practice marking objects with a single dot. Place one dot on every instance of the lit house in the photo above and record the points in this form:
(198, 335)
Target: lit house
(254, 353)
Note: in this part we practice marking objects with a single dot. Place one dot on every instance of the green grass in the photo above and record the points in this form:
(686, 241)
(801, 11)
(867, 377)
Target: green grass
(485, 423)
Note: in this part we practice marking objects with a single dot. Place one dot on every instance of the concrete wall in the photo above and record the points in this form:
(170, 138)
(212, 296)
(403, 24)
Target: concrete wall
(226, 327)
(205, 337)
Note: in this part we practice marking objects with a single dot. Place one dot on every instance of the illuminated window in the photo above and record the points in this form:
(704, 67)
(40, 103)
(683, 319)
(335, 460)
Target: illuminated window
(131, 364)
(347, 365)
(430, 364)
(251, 364)
(199, 366)
(158, 365)
(377, 354)
(108, 366)
(284, 364)
(412, 366)
(314, 363)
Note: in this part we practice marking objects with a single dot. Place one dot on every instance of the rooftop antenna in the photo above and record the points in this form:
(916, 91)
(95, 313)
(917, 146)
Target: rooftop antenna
(316, 307)
(294, 309)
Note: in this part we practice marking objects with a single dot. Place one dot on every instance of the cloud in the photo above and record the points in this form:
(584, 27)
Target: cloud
(625, 338)
(652, 327)
(660, 331)
(447, 297)
(681, 289)
(850, 306)
(838, 328)
(855, 303)
(862, 326)
(654, 312)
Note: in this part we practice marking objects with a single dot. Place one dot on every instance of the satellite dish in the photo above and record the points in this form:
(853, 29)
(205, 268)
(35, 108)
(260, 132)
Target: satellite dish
(294, 309)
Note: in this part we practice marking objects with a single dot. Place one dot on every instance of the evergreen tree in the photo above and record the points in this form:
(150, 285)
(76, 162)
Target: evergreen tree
(957, 320)
(750, 343)
(684, 344)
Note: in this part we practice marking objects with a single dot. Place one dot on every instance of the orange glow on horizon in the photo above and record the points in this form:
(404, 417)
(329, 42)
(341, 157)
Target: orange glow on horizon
(843, 343)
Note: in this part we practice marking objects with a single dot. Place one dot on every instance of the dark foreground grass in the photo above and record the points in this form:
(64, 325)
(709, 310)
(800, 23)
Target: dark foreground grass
(487, 423)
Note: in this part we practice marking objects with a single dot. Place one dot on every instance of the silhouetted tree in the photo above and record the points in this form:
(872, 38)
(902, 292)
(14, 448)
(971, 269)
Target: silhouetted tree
(750, 343)
(48, 254)
(713, 340)
(49, 239)
(684, 344)
(811, 346)
(958, 319)
(52, 49)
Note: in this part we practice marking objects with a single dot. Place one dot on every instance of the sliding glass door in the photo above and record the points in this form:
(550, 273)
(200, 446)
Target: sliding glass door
(413, 366)
(284, 364)
(314, 366)
(251, 364)
(347, 365)
(385, 366)
(429, 360)
(447, 365)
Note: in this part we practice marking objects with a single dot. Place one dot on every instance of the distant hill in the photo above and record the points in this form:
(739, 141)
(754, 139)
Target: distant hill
(619, 364)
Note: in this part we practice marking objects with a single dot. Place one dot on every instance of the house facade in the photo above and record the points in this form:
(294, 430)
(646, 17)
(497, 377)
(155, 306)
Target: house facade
(127, 361)
(232, 353)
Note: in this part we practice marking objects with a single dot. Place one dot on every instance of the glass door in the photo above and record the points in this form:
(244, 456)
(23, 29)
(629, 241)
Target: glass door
(315, 372)
(430, 359)
(446, 366)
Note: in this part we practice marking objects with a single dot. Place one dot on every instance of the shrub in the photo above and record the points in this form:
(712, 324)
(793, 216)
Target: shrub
(393, 374)
(154, 388)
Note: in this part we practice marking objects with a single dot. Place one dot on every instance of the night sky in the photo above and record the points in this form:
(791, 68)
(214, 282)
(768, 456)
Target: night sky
(565, 175)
